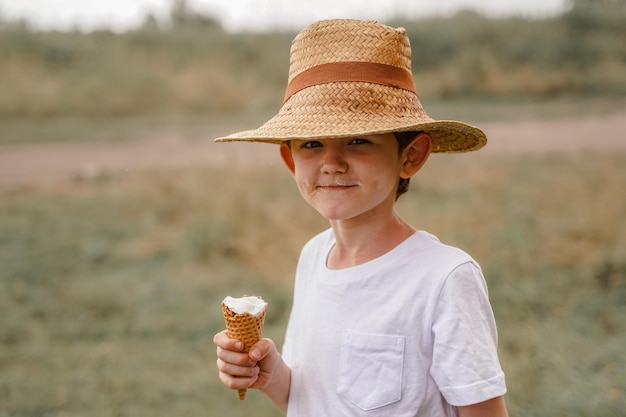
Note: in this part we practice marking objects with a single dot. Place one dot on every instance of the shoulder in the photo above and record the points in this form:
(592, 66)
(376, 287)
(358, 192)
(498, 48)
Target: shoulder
(316, 249)
(322, 241)
(445, 272)
(432, 254)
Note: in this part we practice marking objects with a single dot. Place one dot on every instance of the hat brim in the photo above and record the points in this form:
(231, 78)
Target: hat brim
(317, 113)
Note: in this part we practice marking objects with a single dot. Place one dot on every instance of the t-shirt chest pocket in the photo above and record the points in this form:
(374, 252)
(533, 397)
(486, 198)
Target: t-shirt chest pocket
(370, 369)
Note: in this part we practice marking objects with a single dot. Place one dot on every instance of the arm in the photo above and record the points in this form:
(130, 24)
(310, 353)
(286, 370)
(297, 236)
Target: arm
(465, 352)
(262, 368)
(494, 407)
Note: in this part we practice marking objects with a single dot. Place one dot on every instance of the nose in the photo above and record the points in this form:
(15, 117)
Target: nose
(334, 161)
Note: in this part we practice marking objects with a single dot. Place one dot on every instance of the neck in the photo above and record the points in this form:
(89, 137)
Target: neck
(360, 243)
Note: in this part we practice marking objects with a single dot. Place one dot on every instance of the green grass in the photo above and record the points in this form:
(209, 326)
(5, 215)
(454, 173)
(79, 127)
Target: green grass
(551, 243)
(110, 298)
(110, 291)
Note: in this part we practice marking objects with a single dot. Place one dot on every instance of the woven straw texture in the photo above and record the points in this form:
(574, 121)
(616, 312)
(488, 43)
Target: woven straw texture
(245, 328)
(355, 108)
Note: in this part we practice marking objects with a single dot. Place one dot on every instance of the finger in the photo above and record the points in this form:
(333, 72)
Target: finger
(222, 340)
(237, 371)
(261, 349)
(236, 381)
(235, 358)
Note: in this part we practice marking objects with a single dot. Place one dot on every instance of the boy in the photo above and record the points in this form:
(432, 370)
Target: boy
(386, 320)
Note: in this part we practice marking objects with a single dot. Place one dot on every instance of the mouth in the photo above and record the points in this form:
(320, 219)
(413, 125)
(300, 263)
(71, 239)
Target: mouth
(328, 185)
(335, 186)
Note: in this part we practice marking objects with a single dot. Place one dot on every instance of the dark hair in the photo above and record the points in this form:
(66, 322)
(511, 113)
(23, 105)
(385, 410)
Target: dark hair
(404, 139)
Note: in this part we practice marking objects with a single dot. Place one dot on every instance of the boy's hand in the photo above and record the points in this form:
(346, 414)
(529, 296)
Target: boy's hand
(238, 370)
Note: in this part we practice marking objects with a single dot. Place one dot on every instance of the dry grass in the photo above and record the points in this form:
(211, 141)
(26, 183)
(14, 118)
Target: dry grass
(110, 286)
(111, 289)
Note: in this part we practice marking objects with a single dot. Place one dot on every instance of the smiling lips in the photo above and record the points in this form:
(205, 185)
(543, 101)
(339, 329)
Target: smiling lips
(335, 186)
(327, 185)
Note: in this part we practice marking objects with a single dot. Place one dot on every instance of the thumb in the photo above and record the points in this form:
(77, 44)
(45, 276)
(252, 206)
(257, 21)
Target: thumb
(260, 349)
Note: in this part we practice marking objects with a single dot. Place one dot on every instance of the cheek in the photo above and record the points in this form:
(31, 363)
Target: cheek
(305, 179)
(305, 185)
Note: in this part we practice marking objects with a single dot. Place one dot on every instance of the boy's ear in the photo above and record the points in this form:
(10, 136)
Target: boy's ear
(415, 155)
(285, 154)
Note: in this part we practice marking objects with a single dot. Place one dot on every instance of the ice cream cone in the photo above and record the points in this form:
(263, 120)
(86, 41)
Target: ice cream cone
(244, 327)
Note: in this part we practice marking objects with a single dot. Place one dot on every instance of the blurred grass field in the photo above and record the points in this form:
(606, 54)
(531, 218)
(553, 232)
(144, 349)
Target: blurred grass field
(111, 289)
(110, 286)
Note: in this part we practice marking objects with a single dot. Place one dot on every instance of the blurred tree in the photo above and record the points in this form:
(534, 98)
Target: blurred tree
(150, 24)
(595, 3)
(183, 16)
(179, 12)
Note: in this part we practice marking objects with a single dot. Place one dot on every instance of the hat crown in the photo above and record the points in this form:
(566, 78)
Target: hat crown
(349, 78)
(348, 40)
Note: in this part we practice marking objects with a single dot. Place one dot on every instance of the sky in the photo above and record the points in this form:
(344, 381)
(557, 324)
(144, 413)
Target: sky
(252, 15)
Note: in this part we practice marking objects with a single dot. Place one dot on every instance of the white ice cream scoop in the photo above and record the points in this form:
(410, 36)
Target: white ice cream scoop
(248, 304)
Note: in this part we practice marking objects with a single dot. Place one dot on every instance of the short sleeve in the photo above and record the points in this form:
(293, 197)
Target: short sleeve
(465, 359)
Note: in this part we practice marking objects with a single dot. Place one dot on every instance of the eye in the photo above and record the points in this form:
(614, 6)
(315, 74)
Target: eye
(311, 144)
(359, 141)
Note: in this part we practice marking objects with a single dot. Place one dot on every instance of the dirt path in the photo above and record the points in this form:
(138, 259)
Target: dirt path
(56, 162)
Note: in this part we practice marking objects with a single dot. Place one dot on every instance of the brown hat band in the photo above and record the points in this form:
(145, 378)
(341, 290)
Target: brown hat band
(371, 72)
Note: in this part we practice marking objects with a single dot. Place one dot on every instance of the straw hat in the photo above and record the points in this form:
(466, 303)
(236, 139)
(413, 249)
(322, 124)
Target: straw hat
(349, 78)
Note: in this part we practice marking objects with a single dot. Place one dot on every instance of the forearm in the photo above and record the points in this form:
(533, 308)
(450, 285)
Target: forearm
(277, 388)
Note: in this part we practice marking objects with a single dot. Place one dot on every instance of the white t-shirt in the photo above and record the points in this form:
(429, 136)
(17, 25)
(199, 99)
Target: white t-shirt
(410, 333)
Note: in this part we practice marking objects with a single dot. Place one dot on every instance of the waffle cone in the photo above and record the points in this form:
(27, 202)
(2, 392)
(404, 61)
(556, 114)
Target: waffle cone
(244, 327)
